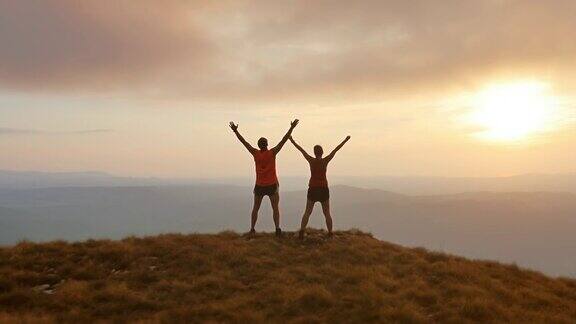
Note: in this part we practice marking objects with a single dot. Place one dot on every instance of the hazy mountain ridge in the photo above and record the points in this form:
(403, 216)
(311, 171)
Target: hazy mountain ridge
(423, 185)
(413, 185)
(12, 180)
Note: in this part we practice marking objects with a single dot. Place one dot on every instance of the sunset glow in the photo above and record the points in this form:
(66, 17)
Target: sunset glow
(147, 88)
(513, 111)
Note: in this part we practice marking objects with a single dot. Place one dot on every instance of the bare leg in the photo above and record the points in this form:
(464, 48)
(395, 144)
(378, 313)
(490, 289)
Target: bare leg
(307, 213)
(275, 201)
(255, 209)
(326, 210)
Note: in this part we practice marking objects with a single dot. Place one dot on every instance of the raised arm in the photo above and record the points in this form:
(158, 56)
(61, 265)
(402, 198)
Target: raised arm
(330, 156)
(247, 145)
(278, 147)
(307, 156)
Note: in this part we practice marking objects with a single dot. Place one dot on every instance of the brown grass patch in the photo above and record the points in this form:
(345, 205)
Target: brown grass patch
(227, 278)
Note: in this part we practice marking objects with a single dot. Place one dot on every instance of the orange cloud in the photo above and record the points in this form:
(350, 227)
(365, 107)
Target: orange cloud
(258, 50)
(66, 44)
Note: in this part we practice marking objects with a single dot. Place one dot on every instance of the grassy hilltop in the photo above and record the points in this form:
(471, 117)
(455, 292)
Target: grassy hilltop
(226, 278)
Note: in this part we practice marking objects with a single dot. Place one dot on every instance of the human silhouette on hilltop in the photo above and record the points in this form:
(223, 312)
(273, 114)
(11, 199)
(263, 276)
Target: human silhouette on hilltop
(266, 178)
(318, 185)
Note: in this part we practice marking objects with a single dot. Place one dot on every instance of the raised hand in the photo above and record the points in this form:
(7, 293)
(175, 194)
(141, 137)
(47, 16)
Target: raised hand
(233, 126)
(247, 145)
(306, 155)
(278, 147)
(330, 156)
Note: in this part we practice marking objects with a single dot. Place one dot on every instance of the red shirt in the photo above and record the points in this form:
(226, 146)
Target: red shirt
(318, 173)
(265, 167)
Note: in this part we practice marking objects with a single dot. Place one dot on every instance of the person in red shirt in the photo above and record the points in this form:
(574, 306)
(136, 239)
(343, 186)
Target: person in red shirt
(266, 178)
(318, 184)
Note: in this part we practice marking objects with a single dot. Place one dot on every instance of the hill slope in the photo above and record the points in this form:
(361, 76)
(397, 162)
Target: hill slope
(225, 277)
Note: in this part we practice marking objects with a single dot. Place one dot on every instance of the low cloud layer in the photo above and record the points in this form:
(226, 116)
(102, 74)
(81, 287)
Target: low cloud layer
(281, 49)
(21, 131)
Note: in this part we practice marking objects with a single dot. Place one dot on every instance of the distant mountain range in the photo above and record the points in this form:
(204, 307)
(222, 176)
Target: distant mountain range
(402, 184)
(445, 185)
(32, 179)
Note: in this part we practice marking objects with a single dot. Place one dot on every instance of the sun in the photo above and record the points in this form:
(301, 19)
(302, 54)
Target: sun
(511, 112)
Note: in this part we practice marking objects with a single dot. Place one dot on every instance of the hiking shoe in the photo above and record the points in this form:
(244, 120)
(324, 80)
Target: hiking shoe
(278, 232)
(252, 233)
(330, 235)
(301, 235)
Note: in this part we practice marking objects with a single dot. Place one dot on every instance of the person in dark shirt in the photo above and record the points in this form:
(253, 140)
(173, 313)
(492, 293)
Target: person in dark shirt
(318, 185)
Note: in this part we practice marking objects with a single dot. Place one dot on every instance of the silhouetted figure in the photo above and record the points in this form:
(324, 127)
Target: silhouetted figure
(318, 184)
(266, 179)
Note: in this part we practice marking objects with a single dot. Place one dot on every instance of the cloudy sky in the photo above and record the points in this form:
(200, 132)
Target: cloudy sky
(148, 87)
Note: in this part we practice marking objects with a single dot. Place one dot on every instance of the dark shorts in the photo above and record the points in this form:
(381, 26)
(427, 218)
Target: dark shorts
(320, 194)
(265, 190)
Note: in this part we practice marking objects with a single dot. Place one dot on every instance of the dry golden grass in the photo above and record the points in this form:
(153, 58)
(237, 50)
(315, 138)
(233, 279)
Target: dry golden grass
(227, 278)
